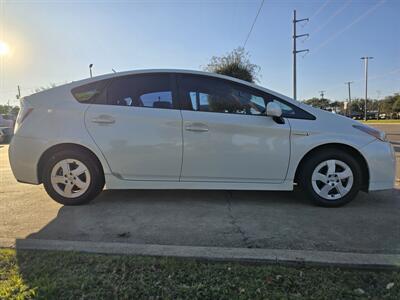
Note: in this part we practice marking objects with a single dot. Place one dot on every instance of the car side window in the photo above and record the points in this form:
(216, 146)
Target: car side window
(289, 110)
(221, 96)
(162, 99)
(286, 109)
(93, 92)
(147, 90)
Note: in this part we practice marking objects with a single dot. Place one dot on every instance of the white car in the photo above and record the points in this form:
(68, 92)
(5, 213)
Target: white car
(175, 129)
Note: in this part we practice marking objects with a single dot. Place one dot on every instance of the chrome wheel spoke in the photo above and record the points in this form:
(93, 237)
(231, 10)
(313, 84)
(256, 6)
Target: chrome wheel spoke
(325, 190)
(79, 170)
(80, 184)
(331, 166)
(68, 189)
(345, 174)
(58, 179)
(341, 189)
(320, 177)
(65, 167)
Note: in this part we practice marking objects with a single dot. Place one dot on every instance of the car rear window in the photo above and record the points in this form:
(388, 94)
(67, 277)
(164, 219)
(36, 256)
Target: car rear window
(93, 92)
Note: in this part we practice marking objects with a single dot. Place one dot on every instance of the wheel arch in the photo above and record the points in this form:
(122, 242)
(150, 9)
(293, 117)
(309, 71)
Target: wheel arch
(346, 148)
(64, 146)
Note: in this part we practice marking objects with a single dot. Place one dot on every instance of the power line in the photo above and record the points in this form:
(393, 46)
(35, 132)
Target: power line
(254, 22)
(380, 76)
(355, 21)
(328, 20)
(321, 8)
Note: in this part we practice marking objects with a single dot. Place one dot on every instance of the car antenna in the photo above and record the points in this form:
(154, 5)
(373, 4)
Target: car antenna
(114, 71)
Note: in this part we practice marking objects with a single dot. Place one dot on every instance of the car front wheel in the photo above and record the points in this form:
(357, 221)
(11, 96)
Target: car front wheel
(72, 178)
(331, 178)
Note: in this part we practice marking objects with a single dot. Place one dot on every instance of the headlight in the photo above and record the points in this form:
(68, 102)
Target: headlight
(371, 131)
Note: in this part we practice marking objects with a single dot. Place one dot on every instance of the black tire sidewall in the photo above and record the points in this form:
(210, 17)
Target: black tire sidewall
(96, 175)
(309, 167)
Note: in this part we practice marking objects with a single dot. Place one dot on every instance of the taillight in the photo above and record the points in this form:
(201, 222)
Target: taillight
(24, 112)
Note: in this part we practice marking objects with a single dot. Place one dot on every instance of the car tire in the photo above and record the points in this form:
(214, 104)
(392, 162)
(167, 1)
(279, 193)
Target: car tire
(72, 177)
(331, 178)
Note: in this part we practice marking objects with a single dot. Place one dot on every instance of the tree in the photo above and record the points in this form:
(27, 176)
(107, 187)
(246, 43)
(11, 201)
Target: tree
(337, 106)
(386, 105)
(235, 64)
(14, 111)
(357, 106)
(4, 109)
(396, 105)
(318, 102)
(43, 88)
(8, 109)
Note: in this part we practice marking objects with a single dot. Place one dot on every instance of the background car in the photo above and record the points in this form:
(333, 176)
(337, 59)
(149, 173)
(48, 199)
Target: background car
(6, 134)
(175, 129)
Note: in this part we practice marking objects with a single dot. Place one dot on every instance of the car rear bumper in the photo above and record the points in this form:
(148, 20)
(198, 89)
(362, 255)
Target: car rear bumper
(24, 154)
(381, 160)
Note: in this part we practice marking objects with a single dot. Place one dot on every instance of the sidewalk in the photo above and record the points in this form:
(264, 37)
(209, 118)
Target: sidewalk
(275, 256)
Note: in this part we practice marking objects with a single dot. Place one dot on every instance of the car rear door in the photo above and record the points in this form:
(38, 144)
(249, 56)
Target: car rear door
(227, 137)
(139, 128)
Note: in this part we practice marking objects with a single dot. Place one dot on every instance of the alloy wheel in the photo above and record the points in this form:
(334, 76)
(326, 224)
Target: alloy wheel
(70, 178)
(332, 179)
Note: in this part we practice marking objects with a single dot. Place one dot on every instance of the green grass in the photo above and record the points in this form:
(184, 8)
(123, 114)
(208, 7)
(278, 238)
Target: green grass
(68, 275)
(381, 121)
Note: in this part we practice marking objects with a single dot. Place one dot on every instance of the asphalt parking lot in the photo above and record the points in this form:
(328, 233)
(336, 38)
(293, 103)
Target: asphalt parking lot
(281, 220)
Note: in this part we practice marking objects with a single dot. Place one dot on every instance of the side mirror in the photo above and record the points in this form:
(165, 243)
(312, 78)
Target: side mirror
(273, 110)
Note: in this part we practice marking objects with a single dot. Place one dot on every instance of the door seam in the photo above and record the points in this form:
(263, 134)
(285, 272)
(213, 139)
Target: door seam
(88, 132)
(183, 148)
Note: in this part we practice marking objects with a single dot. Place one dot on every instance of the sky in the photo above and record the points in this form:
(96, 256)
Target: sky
(55, 41)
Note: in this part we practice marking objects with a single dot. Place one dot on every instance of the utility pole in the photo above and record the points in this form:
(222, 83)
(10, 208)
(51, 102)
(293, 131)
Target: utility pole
(19, 92)
(90, 70)
(295, 51)
(365, 59)
(378, 93)
(349, 103)
(322, 93)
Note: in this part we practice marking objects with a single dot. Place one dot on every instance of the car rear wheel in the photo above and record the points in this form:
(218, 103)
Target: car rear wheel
(72, 178)
(331, 178)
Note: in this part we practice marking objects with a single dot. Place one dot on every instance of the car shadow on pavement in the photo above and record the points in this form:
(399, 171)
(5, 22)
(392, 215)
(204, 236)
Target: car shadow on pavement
(244, 219)
(159, 216)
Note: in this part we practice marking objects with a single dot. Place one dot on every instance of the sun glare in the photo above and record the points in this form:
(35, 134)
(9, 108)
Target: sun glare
(4, 49)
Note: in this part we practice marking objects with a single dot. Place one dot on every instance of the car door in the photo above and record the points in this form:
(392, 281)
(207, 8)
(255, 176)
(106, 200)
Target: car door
(139, 129)
(227, 137)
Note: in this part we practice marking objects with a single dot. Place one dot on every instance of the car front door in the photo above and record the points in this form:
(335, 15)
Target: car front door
(139, 129)
(227, 136)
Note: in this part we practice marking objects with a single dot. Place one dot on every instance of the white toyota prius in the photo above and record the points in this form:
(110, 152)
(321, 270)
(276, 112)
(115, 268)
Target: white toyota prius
(175, 129)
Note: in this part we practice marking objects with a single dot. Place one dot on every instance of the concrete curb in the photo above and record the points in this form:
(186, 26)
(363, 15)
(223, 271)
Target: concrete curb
(278, 256)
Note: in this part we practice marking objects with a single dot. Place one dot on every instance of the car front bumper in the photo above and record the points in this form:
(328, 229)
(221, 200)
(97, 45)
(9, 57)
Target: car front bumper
(381, 160)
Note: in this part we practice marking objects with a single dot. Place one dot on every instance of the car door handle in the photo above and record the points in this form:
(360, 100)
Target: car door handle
(197, 127)
(103, 119)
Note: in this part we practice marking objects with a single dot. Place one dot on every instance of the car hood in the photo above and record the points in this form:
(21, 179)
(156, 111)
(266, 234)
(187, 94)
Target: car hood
(334, 125)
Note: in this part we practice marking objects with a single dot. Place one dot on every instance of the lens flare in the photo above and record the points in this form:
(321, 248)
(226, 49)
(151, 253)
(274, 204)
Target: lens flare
(4, 48)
